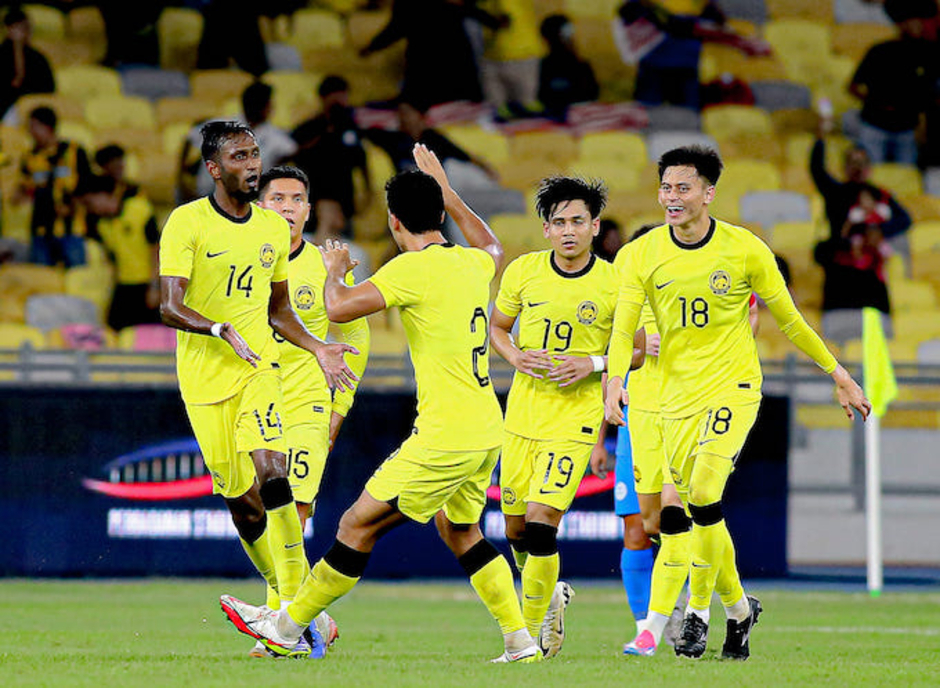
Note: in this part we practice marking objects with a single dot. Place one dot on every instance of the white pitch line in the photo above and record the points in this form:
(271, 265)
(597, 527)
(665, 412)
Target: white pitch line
(857, 630)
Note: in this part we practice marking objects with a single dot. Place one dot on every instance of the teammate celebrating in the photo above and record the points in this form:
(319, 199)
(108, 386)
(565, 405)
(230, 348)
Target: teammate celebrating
(564, 300)
(312, 418)
(443, 469)
(698, 275)
(223, 282)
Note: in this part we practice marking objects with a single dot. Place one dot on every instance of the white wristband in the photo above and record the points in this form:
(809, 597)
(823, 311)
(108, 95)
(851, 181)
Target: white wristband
(598, 362)
(216, 330)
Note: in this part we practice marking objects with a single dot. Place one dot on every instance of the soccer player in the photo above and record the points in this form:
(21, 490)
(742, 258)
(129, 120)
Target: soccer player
(223, 284)
(698, 275)
(312, 417)
(564, 301)
(443, 469)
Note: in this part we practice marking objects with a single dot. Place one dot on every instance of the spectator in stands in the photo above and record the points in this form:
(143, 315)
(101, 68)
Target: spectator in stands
(608, 240)
(854, 267)
(856, 200)
(52, 175)
(895, 81)
(439, 61)
(231, 31)
(330, 148)
(332, 223)
(123, 219)
(667, 46)
(131, 31)
(564, 78)
(510, 65)
(23, 69)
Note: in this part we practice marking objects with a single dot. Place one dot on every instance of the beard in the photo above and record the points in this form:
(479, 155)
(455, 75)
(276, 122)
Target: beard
(244, 196)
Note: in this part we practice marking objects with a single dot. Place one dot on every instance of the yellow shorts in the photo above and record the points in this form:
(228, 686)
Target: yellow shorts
(424, 481)
(541, 471)
(649, 454)
(720, 430)
(308, 444)
(229, 430)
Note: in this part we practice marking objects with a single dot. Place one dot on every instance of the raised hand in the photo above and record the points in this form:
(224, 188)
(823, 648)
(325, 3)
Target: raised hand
(427, 162)
(336, 258)
(332, 361)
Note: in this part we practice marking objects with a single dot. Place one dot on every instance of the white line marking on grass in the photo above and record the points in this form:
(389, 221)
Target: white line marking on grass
(855, 630)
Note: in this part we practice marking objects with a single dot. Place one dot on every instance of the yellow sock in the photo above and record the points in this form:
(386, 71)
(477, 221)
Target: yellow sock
(670, 570)
(538, 583)
(323, 586)
(259, 552)
(519, 558)
(287, 549)
(493, 584)
(271, 599)
(710, 536)
(708, 546)
(728, 584)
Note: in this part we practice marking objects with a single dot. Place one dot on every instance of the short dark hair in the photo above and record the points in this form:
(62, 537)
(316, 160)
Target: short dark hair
(552, 25)
(44, 115)
(255, 98)
(332, 84)
(14, 15)
(705, 160)
(216, 133)
(283, 172)
(557, 189)
(416, 199)
(108, 153)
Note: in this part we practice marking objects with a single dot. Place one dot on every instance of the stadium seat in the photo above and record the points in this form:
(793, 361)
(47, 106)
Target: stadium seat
(15, 336)
(617, 175)
(362, 26)
(860, 12)
(912, 296)
(152, 83)
(218, 85)
(187, 110)
(48, 312)
(750, 10)
(624, 147)
(85, 25)
(598, 9)
(84, 82)
(31, 279)
(295, 97)
(179, 31)
(174, 136)
(488, 145)
(729, 121)
(781, 95)
(768, 208)
(816, 10)
(520, 230)
(673, 118)
(854, 40)
(659, 142)
(794, 236)
(283, 57)
(898, 179)
(928, 352)
(720, 59)
(81, 337)
(799, 42)
(65, 108)
(92, 283)
(925, 237)
(560, 148)
(48, 23)
(313, 29)
(150, 337)
(77, 131)
(932, 181)
(116, 112)
(158, 176)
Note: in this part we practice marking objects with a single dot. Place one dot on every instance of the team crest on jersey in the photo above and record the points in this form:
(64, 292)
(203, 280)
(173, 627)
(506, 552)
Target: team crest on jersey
(720, 282)
(587, 312)
(268, 254)
(218, 480)
(304, 298)
(676, 477)
(509, 496)
(637, 476)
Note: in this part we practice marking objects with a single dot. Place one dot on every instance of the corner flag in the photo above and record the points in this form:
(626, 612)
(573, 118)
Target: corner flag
(880, 384)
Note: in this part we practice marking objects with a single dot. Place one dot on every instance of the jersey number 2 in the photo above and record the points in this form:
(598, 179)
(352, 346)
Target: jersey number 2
(480, 351)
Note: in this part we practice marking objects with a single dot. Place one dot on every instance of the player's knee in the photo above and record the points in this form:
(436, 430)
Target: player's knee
(348, 561)
(674, 521)
(707, 515)
(250, 526)
(634, 535)
(478, 556)
(541, 539)
(515, 529)
(651, 524)
(276, 493)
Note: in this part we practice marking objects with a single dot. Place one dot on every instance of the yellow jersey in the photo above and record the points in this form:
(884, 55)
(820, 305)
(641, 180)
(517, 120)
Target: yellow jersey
(699, 294)
(301, 375)
(130, 238)
(564, 313)
(442, 292)
(230, 264)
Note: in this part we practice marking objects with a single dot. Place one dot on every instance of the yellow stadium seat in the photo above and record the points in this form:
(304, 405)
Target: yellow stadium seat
(749, 175)
(179, 30)
(731, 120)
(595, 9)
(189, 110)
(48, 23)
(488, 145)
(912, 296)
(92, 283)
(31, 279)
(84, 82)
(798, 38)
(900, 350)
(314, 29)
(364, 25)
(917, 325)
(77, 131)
(794, 236)
(922, 207)
(218, 85)
(295, 97)
(819, 10)
(720, 59)
(158, 176)
(520, 230)
(926, 266)
(625, 147)
(15, 335)
(616, 175)
(898, 179)
(65, 108)
(558, 147)
(115, 112)
(85, 24)
(925, 237)
(854, 40)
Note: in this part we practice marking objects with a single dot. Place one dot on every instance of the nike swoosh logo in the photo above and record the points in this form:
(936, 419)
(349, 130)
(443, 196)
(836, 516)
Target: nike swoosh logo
(533, 597)
(215, 255)
(665, 284)
(549, 492)
(701, 442)
(675, 566)
(271, 439)
(532, 304)
(700, 566)
(293, 545)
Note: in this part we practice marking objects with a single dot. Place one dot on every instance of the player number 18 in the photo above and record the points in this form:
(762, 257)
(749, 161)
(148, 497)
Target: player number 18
(695, 311)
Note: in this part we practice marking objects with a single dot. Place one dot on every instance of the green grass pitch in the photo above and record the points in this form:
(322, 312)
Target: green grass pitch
(172, 633)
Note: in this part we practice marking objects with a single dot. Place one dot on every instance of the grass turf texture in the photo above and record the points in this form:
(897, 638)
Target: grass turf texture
(172, 632)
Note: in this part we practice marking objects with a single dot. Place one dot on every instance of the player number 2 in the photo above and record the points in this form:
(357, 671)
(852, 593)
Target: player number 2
(697, 314)
(479, 352)
(243, 283)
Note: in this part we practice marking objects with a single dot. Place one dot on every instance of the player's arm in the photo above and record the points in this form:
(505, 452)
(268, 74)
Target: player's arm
(345, 303)
(600, 460)
(529, 362)
(287, 323)
(477, 233)
(770, 286)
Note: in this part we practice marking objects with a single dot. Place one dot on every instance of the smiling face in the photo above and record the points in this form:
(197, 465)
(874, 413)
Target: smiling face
(288, 198)
(570, 229)
(238, 167)
(684, 195)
